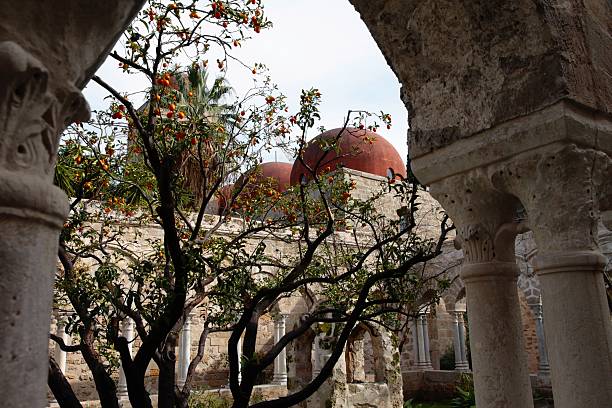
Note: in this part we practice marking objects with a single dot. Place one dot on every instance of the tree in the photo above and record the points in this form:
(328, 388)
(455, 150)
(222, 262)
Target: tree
(166, 165)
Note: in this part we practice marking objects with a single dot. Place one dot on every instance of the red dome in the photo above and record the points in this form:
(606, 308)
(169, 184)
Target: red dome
(359, 149)
(224, 196)
(275, 170)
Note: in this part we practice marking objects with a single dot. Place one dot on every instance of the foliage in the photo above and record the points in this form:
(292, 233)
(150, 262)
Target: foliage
(204, 399)
(145, 239)
(447, 360)
(411, 404)
(466, 398)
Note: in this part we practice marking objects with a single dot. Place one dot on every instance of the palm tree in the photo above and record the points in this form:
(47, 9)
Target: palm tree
(201, 166)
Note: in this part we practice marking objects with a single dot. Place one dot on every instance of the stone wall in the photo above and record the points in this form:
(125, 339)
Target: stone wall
(429, 384)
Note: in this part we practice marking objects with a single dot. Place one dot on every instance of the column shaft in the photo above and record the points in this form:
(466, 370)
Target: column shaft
(415, 341)
(461, 363)
(425, 329)
(239, 360)
(60, 355)
(184, 352)
(501, 378)
(314, 358)
(465, 365)
(421, 362)
(543, 365)
(577, 325)
(456, 341)
(280, 362)
(127, 331)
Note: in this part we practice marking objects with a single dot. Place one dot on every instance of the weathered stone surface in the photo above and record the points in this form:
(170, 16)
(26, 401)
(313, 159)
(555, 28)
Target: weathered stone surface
(42, 70)
(354, 390)
(467, 66)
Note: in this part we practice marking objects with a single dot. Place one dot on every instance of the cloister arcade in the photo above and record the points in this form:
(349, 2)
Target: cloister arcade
(510, 108)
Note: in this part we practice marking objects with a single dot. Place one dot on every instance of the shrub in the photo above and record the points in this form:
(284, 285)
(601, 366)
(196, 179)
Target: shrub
(447, 361)
(465, 393)
(203, 399)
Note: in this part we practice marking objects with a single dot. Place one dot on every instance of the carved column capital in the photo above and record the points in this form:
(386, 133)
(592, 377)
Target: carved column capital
(32, 116)
(485, 218)
(560, 187)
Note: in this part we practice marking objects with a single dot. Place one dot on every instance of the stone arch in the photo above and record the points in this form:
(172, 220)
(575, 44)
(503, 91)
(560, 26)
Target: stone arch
(456, 291)
(450, 264)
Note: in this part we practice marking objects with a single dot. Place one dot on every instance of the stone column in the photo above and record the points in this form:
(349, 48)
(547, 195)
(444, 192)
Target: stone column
(280, 362)
(456, 340)
(486, 231)
(239, 346)
(415, 341)
(42, 70)
(425, 329)
(184, 352)
(543, 366)
(60, 331)
(314, 357)
(562, 197)
(461, 362)
(422, 340)
(320, 354)
(127, 331)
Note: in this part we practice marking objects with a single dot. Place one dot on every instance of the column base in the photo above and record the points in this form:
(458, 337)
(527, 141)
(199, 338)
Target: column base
(424, 367)
(279, 380)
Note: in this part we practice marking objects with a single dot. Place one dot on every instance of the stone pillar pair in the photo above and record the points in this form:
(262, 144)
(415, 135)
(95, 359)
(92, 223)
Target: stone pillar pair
(459, 338)
(420, 337)
(559, 187)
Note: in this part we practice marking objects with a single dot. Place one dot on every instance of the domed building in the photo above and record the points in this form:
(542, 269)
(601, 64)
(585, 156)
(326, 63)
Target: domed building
(274, 174)
(357, 149)
(277, 172)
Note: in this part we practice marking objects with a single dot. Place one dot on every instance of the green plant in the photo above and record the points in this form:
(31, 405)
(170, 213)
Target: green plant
(447, 361)
(411, 404)
(465, 393)
(207, 399)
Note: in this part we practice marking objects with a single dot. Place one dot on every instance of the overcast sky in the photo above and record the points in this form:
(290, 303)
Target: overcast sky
(314, 43)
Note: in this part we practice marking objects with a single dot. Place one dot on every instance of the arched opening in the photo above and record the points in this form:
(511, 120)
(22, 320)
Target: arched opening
(363, 355)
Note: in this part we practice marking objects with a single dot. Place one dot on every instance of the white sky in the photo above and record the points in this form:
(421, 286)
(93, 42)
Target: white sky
(314, 43)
